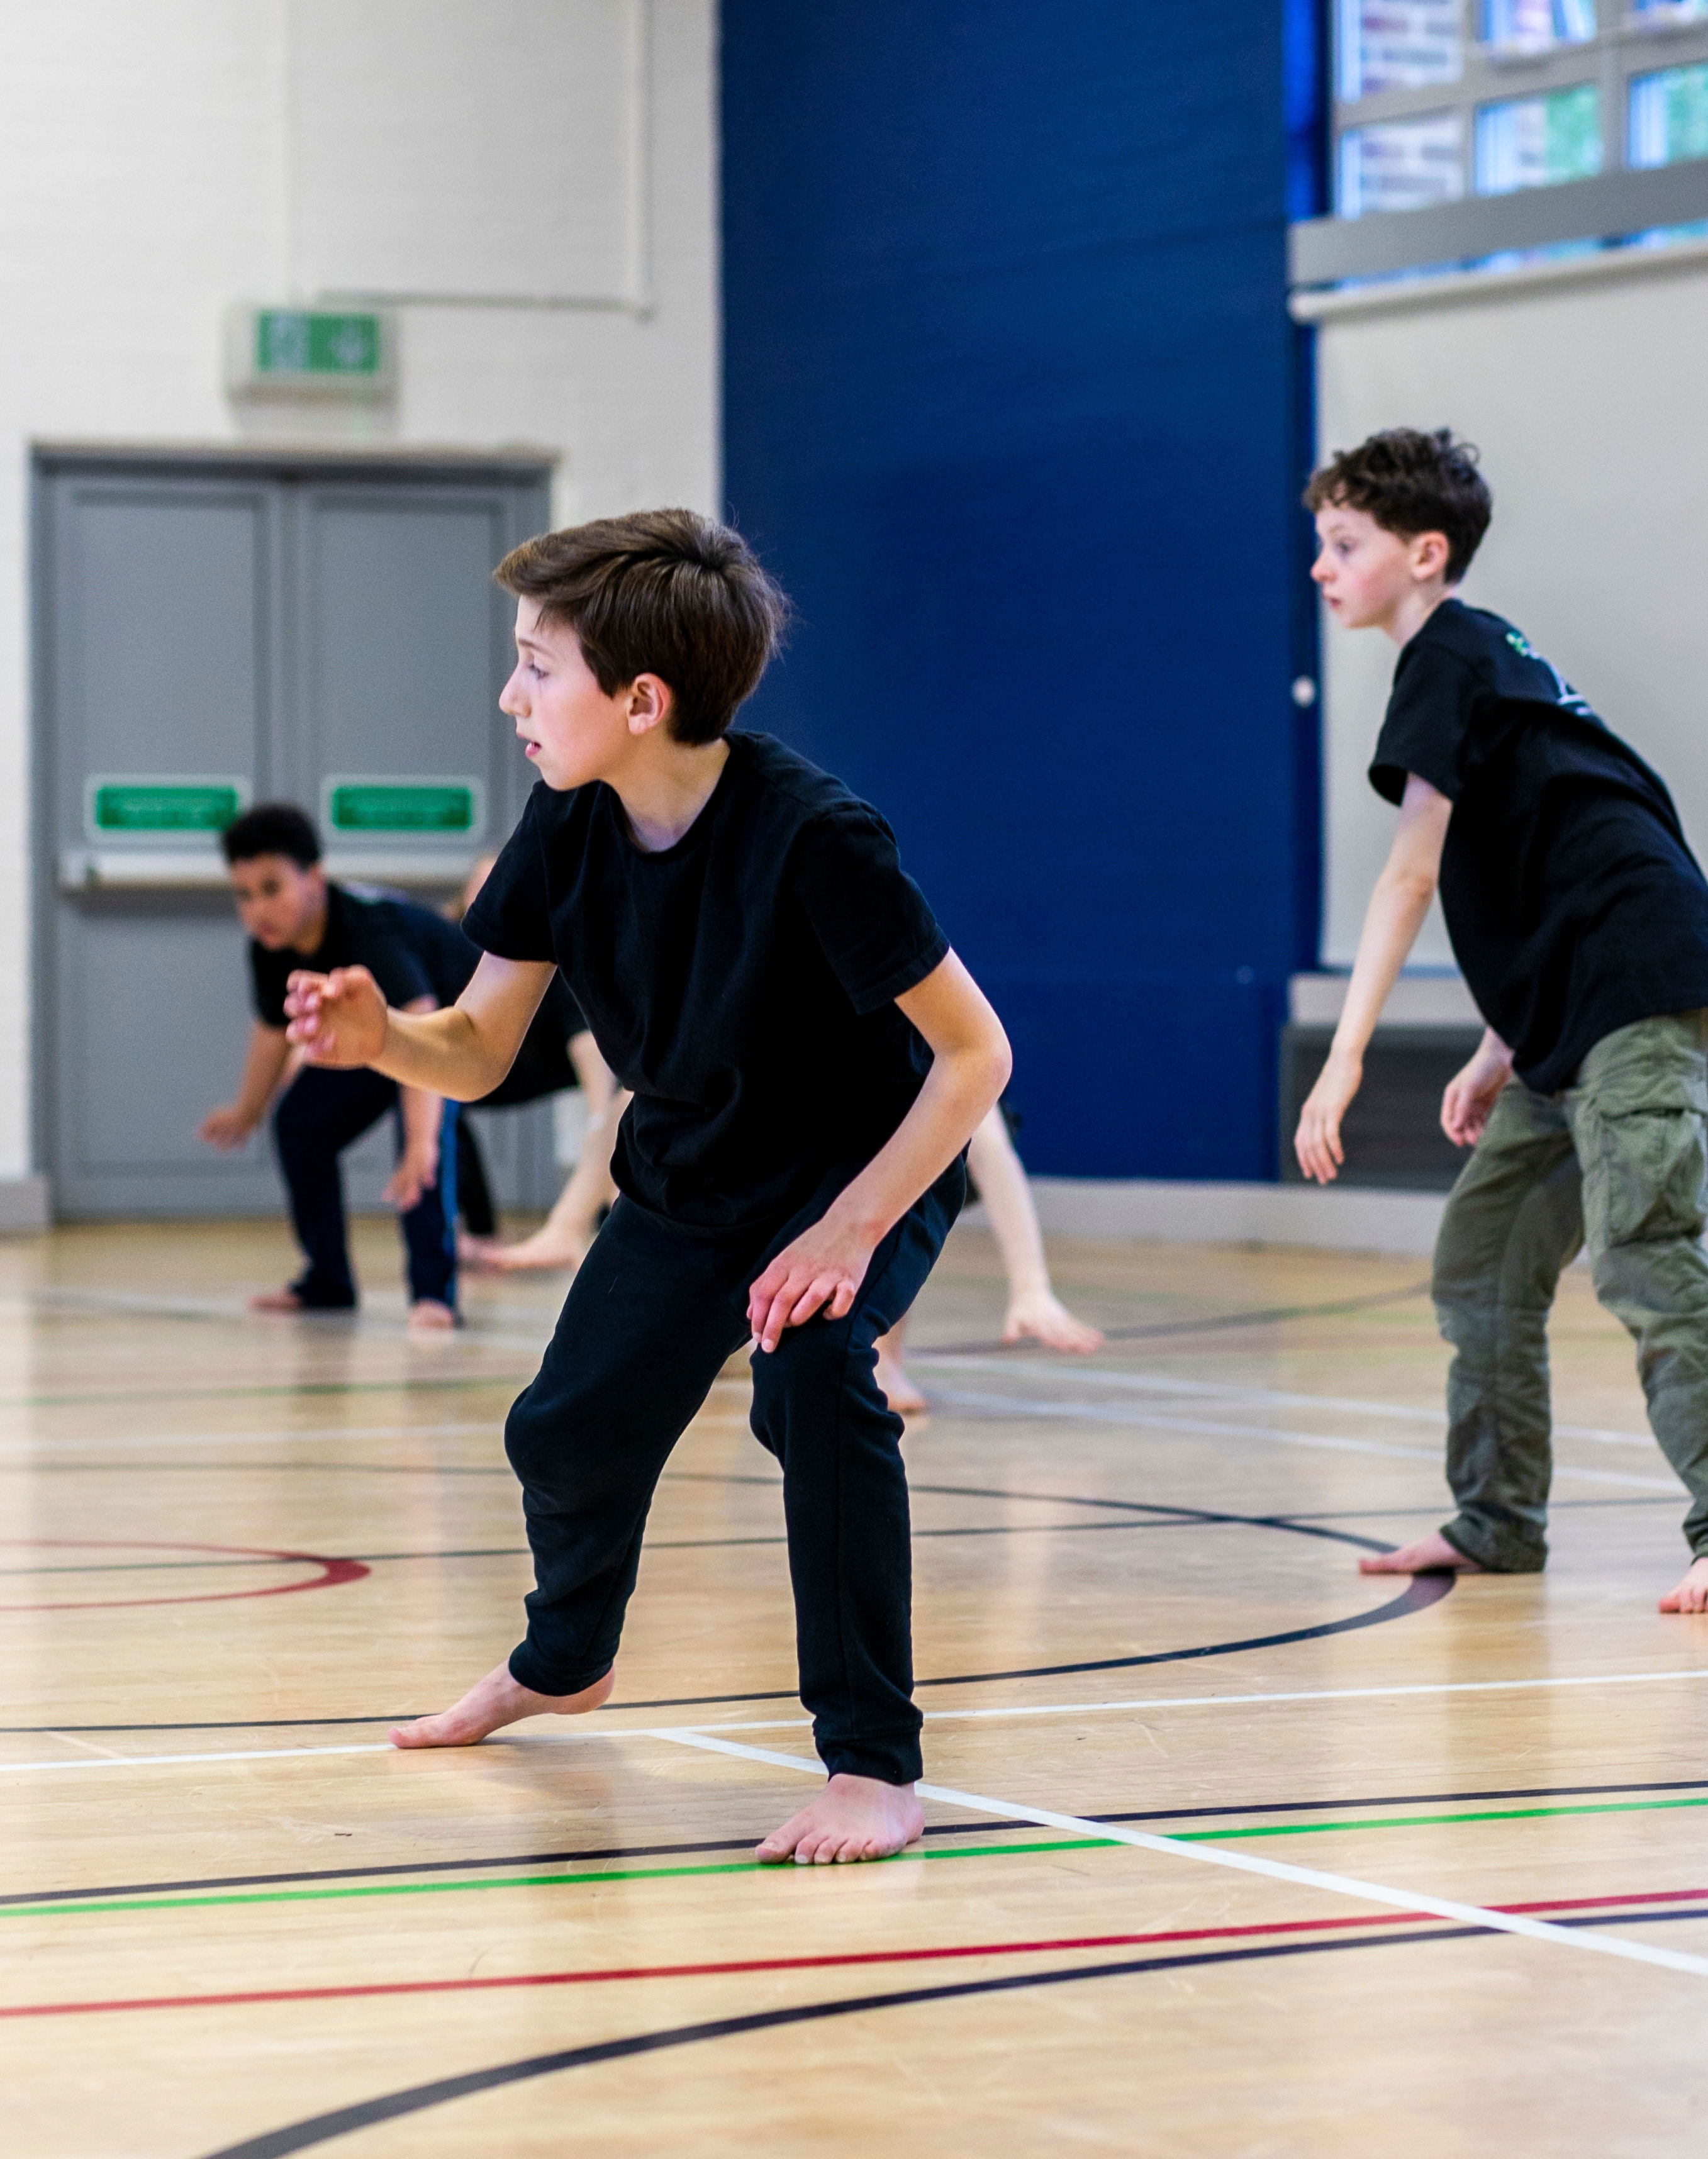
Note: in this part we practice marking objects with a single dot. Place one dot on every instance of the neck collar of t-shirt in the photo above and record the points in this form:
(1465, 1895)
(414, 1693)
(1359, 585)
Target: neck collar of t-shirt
(612, 804)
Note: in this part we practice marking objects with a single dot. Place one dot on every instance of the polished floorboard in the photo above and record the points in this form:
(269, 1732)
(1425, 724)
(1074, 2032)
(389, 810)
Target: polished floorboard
(233, 1549)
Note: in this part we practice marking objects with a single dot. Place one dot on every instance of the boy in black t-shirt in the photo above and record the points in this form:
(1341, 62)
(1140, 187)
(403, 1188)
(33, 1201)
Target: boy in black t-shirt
(807, 1060)
(1580, 920)
(295, 916)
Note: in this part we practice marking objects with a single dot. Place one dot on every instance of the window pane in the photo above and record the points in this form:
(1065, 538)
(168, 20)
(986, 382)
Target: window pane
(1402, 164)
(1397, 44)
(1537, 141)
(1532, 26)
(1670, 116)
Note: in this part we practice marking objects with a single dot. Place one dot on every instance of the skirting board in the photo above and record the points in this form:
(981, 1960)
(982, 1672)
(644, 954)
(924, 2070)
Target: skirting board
(1153, 1211)
(23, 1206)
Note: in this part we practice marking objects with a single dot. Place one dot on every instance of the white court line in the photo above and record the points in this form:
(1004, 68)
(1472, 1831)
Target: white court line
(1277, 1870)
(932, 1717)
(1274, 1435)
(1230, 1391)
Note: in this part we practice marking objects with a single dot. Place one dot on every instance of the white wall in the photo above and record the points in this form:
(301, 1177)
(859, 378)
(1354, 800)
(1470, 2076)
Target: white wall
(533, 180)
(1584, 395)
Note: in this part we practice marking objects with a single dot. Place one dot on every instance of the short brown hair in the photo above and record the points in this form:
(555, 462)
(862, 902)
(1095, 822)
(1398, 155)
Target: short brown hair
(659, 591)
(1410, 482)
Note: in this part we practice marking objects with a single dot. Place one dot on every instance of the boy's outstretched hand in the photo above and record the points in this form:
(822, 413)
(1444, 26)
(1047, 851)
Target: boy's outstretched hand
(1316, 1142)
(337, 1019)
(820, 1271)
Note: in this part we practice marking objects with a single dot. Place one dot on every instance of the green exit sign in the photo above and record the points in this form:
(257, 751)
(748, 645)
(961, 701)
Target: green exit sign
(149, 804)
(313, 351)
(403, 807)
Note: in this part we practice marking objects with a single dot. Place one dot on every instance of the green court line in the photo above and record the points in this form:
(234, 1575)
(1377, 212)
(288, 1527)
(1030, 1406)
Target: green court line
(511, 1881)
(73, 1906)
(1428, 1821)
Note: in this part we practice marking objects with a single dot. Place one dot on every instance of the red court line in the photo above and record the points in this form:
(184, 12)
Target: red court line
(959, 1949)
(333, 1572)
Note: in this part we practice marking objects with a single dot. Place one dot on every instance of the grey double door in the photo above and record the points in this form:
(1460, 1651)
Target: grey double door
(266, 628)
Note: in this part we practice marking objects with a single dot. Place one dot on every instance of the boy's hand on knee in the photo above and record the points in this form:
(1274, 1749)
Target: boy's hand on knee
(820, 1271)
(337, 1019)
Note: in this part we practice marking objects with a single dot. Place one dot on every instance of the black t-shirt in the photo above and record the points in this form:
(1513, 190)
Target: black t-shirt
(413, 952)
(742, 982)
(373, 933)
(1574, 904)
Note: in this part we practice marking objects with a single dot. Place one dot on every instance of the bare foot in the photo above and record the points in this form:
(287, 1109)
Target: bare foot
(1429, 1555)
(548, 1250)
(427, 1316)
(497, 1699)
(852, 1818)
(476, 1253)
(1691, 1594)
(277, 1300)
(899, 1390)
(1043, 1316)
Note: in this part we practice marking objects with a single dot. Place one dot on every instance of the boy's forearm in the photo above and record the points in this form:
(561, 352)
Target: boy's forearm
(1396, 914)
(422, 1111)
(960, 1091)
(262, 1064)
(439, 1052)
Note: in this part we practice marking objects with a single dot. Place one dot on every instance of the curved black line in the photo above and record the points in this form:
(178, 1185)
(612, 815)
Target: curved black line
(368, 2114)
(1204, 1325)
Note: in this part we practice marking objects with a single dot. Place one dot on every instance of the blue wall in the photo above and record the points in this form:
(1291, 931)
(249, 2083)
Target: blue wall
(1011, 409)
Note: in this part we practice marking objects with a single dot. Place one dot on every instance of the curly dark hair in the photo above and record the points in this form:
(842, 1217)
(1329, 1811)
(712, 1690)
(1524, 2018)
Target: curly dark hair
(660, 591)
(1411, 482)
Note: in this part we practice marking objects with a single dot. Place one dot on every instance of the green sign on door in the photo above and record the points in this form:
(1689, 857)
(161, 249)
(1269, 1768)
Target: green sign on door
(403, 806)
(164, 805)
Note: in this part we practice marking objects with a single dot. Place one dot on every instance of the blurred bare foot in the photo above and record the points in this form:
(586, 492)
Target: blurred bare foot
(277, 1300)
(1429, 1555)
(474, 1253)
(899, 1391)
(497, 1699)
(549, 1251)
(427, 1316)
(1042, 1315)
(852, 1818)
(1691, 1594)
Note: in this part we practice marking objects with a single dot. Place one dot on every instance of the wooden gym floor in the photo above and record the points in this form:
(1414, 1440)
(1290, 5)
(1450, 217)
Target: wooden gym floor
(236, 1924)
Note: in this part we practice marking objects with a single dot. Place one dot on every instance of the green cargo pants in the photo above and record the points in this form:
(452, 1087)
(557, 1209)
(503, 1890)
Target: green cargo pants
(1618, 1161)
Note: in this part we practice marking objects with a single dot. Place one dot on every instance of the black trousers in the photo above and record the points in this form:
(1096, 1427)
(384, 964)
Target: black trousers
(320, 1114)
(651, 1316)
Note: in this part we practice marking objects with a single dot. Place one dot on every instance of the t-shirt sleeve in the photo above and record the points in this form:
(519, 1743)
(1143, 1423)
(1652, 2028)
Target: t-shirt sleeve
(511, 917)
(870, 918)
(267, 981)
(1427, 722)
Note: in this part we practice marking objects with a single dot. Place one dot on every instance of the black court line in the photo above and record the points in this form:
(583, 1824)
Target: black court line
(522, 1551)
(417, 2098)
(1423, 1590)
(589, 1855)
(1270, 1316)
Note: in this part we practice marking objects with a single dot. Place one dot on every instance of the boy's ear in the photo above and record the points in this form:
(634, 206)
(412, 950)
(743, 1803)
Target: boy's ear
(1430, 555)
(650, 701)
